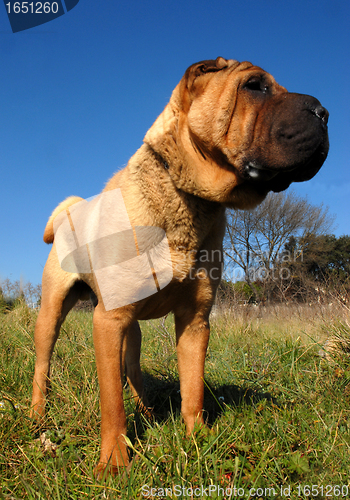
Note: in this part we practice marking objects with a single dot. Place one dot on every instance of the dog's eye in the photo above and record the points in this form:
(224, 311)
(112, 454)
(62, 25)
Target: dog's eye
(256, 84)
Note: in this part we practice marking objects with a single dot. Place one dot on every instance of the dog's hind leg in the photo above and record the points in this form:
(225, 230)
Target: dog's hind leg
(132, 350)
(60, 291)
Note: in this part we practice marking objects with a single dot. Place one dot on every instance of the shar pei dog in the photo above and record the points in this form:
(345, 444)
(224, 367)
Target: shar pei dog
(229, 135)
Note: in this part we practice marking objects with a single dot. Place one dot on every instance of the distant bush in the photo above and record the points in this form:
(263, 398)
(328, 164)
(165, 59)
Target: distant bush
(240, 292)
(8, 303)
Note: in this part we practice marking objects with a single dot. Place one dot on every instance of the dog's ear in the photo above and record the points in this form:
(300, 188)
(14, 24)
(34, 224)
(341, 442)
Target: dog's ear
(209, 66)
(197, 75)
(204, 67)
(163, 135)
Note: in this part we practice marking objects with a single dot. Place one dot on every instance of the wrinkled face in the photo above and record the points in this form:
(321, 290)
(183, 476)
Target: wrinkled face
(241, 135)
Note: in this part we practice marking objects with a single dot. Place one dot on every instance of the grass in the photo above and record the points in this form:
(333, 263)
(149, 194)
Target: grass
(278, 411)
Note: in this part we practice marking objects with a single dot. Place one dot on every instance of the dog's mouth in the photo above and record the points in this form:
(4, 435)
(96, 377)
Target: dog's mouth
(278, 179)
(256, 173)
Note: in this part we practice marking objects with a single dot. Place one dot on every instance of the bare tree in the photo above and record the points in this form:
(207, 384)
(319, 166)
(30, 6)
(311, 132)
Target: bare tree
(255, 240)
(19, 288)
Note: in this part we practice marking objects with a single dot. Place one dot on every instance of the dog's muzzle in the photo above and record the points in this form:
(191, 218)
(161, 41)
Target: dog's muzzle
(292, 142)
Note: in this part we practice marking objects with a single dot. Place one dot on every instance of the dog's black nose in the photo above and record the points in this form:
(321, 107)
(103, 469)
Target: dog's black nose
(321, 113)
(313, 105)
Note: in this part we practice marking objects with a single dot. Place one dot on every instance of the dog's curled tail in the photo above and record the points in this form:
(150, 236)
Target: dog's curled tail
(49, 231)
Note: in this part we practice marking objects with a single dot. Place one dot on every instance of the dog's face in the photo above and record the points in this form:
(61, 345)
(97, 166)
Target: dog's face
(231, 134)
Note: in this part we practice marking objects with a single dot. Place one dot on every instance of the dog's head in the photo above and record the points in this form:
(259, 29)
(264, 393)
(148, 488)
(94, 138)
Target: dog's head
(231, 134)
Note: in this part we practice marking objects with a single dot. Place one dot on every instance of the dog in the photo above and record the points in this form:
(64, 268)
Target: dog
(229, 135)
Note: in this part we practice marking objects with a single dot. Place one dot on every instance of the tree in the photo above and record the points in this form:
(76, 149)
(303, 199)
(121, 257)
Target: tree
(322, 257)
(322, 269)
(255, 241)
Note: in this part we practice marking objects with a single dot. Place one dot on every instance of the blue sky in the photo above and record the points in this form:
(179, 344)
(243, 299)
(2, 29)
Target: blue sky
(79, 93)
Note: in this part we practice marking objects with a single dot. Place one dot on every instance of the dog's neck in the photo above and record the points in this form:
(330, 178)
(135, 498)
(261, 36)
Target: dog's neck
(187, 219)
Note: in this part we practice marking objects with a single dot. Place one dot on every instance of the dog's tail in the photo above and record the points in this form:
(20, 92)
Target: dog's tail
(49, 231)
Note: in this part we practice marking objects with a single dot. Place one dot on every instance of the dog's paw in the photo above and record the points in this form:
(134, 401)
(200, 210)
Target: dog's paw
(103, 471)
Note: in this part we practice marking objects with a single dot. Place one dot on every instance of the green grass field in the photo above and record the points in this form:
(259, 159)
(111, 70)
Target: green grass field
(278, 411)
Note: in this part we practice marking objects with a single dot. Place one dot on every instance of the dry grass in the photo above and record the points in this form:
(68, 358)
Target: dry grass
(311, 320)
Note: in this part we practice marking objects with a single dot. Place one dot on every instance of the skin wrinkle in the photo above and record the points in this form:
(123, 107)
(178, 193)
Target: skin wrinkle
(196, 147)
(232, 111)
(245, 67)
(274, 90)
(253, 131)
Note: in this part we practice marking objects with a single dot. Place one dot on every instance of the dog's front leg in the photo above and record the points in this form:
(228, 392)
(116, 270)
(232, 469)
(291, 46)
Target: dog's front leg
(109, 331)
(192, 336)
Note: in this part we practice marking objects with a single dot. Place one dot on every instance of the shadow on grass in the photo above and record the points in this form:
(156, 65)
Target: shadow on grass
(164, 398)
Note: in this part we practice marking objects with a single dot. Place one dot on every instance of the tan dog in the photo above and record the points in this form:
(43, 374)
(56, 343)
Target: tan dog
(229, 135)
